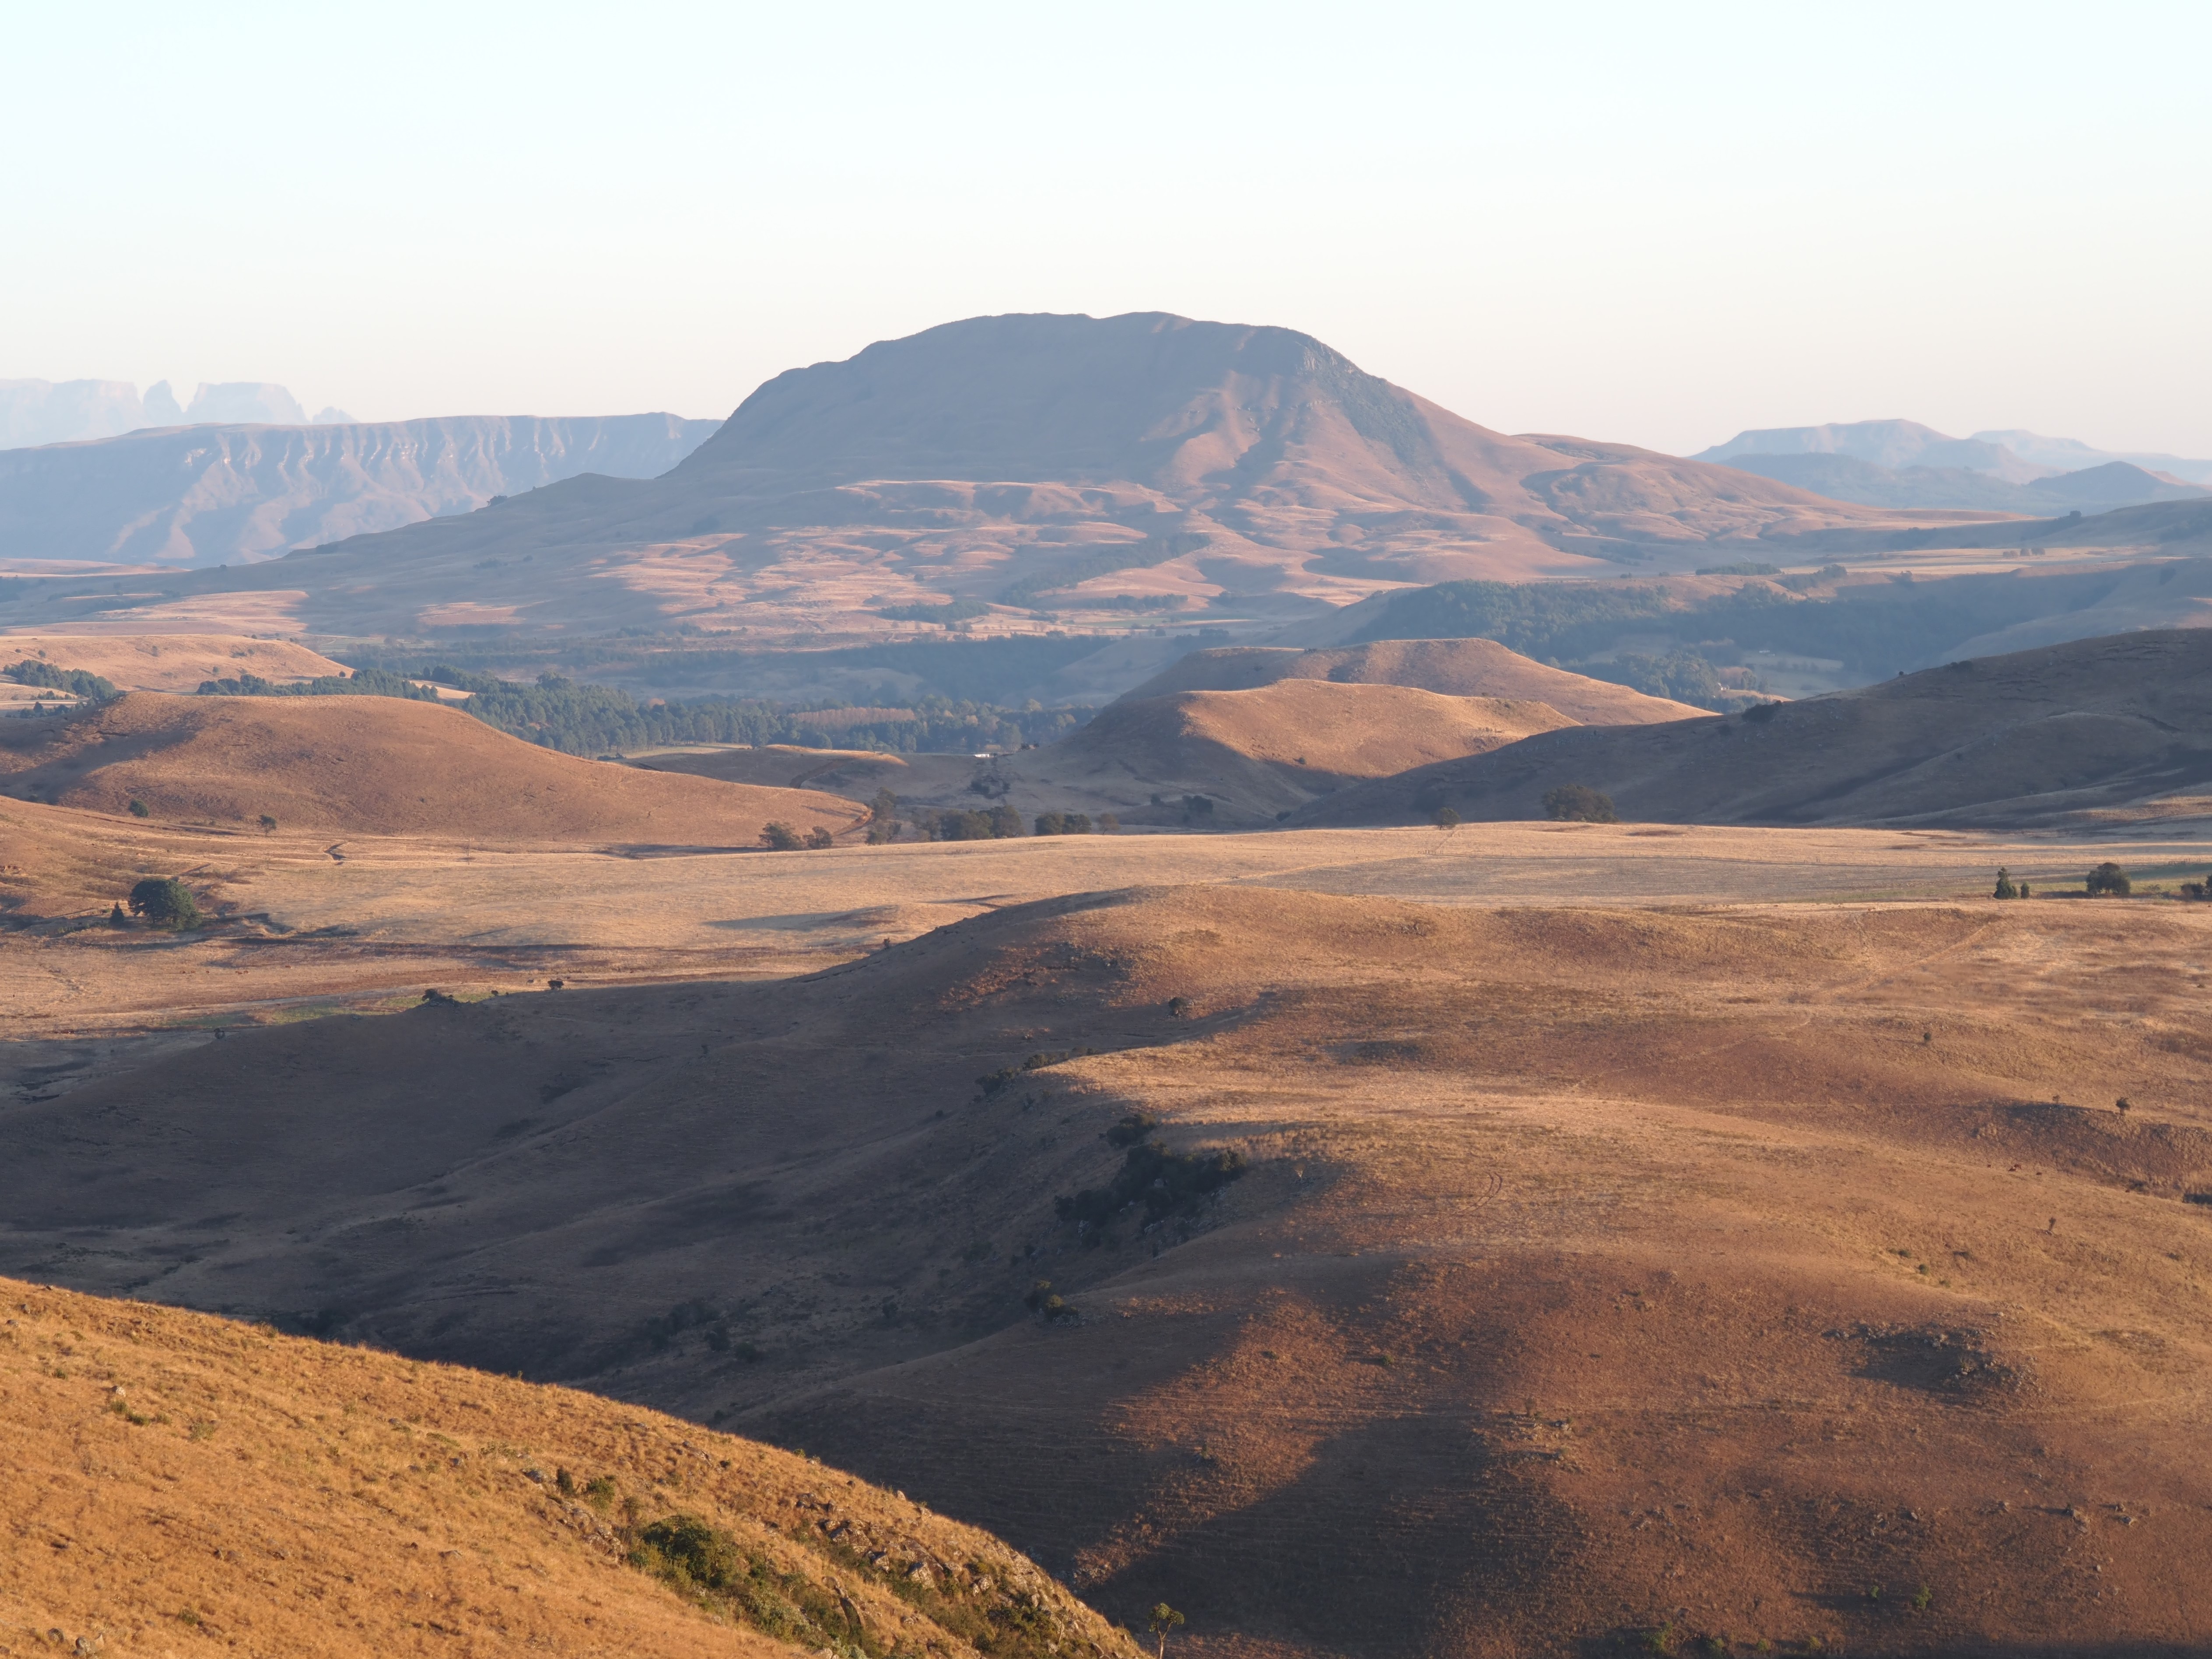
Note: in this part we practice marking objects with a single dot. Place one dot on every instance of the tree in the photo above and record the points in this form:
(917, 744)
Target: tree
(883, 818)
(2108, 878)
(779, 837)
(165, 902)
(2005, 889)
(1109, 825)
(137, 809)
(268, 824)
(1164, 1619)
(819, 839)
(1445, 818)
(1572, 802)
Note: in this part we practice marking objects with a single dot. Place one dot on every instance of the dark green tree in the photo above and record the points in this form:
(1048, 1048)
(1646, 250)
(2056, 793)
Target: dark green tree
(1572, 802)
(165, 902)
(779, 837)
(2005, 889)
(2108, 878)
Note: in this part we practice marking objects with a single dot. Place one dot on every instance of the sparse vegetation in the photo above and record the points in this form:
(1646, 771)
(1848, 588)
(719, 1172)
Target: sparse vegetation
(165, 902)
(1166, 1183)
(1573, 803)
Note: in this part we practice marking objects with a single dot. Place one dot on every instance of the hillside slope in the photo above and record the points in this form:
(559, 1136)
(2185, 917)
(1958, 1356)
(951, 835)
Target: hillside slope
(198, 495)
(1592, 1272)
(1060, 464)
(373, 765)
(174, 1480)
(167, 662)
(2007, 741)
(1455, 668)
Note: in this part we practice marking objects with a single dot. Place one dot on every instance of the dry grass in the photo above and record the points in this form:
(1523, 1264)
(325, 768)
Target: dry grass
(372, 765)
(168, 662)
(176, 1484)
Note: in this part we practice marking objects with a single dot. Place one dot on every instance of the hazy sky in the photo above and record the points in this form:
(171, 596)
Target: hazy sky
(1658, 224)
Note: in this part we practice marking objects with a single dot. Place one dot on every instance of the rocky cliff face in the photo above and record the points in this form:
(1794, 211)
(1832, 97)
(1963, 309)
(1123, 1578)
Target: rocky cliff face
(225, 495)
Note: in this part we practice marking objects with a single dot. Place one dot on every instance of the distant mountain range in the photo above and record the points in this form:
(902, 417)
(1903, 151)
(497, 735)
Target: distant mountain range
(70, 411)
(1903, 465)
(198, 495)
(1054, 465)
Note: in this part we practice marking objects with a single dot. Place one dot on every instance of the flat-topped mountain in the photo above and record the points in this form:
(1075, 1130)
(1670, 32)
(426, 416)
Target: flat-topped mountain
(194, 495)
(1067, 465)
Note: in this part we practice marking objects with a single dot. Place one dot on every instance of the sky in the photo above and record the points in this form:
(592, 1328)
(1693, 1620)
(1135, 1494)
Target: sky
(1654, 224)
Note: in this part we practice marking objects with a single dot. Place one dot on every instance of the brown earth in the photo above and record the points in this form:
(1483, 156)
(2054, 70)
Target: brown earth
(1051, 464)
(168, 662)
(2042, 738)
(372, 765)
(1739, 1270)
(1457, 668)
(175, 1483)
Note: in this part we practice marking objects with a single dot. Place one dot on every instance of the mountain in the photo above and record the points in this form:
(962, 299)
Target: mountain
(375, 766)
(447, 1507)
(1846, 478)
(2012, 741)
(2072, 455)
(47, 412)
(202, 496)
(1888, 444)
(1070, 466)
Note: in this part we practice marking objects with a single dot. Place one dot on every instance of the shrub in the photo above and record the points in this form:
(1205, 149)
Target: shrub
(1445, 818)
(1166, 1183)
(2005, 889)
(779, 837)
(1760, 712)
(1572, 802)
(2108, 878)
(165, 902)
(819, 839)
(138, 807)
(1131, 1130)
(1109, 825)
(1197, 809)
(268, 824)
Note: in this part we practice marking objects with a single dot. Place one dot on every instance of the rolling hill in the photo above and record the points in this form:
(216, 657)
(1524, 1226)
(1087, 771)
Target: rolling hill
(1515, 1280)
(167, 662)
(174, 1481)
(1074, 465)
(200, 495)
(373, 766)
(2012, 741)
(1456, 668)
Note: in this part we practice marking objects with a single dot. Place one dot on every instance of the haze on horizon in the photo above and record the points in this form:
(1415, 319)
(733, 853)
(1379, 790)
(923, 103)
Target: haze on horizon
(1655, 228)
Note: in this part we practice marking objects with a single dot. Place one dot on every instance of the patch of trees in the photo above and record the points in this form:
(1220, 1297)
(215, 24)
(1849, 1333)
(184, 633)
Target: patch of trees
(75, 681)
(2007, 888)
(1574, 803)
(558, 713)
(2107, 880)
(1064, 824)
(1000, 823)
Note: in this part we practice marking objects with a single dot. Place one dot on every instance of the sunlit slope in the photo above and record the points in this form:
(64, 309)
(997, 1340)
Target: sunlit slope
(373, 765)
(174, 1481)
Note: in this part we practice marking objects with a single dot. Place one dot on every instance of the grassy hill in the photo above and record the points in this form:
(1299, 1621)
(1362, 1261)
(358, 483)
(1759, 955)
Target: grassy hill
(176, 1482)
(372, 765)
(1590, 1274)
(2015, 740)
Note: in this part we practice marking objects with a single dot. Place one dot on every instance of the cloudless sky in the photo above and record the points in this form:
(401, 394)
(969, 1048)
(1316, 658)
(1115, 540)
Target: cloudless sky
(1656, 224)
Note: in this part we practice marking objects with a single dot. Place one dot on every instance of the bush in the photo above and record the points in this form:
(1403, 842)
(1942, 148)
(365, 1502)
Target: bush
(1445, 818)
(2108, 878)
(1760, 712)
(2005, 889)
(137, 808)
(165, 902)
(819, 840)
(1572, 802)
(779, 837)
(1166, 1183)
